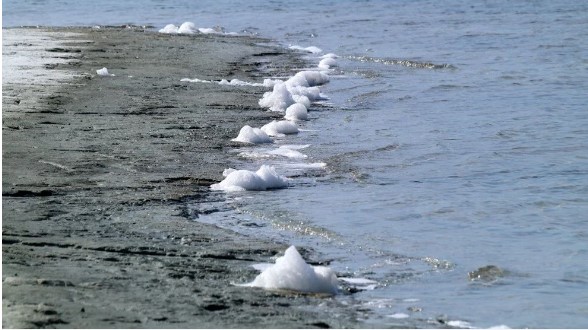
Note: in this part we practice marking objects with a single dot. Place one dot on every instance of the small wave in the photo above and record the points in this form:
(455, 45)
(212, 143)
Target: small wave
(406, 63)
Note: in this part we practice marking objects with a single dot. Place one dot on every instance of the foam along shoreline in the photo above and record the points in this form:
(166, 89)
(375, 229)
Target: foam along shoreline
(292, 97)
(291, 272)
(99, 173)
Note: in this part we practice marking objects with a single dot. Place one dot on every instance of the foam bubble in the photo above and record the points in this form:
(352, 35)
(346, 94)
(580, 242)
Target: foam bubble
(170, 28)
(190, 28)
(280, 128)
(278, 99)
(104, 72)
(271, 178)
(242, 180)
(187, 28)
(291, 272)
(312, 93)
(399, 316)
(296, 111)
(302, 99)
(313, 78)
(297, 80)
(249, 134)
(327, 63)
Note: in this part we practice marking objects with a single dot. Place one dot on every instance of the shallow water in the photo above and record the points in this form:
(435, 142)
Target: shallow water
(455, 137)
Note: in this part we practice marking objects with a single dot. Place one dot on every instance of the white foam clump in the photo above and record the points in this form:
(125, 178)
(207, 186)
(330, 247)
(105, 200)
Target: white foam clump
(312, 78)
(311, 49)
(302, 99)
(278, 99)
(296, 111)
(241, 180)
(301, 88)
(190, 28)
(280, 128)
(254, 135)
(170, 28)
(327, 63)
(311, 93)
(104, 72)
(291, 272)
(187, 28)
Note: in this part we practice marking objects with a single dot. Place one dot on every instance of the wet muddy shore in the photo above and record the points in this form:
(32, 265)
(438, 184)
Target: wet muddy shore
(98, 170)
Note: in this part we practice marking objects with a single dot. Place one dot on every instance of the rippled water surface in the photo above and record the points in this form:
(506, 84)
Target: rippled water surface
(455, 137)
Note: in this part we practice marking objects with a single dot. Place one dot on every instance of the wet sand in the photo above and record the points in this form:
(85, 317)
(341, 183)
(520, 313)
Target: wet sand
(97, 172)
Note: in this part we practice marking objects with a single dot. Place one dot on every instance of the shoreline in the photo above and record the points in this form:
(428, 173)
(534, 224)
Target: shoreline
(97, 173)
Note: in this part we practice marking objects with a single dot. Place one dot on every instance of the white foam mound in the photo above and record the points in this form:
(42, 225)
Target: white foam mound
(296, 111)
(313, 78)
(190, 28)
(327, 63)
(312, 93)
(242, 180)
(187, 28)
(291, 272)
(280, 128)
(249, 134)
(170, 28)
(104, 72)
(278, 99)
(302, 99)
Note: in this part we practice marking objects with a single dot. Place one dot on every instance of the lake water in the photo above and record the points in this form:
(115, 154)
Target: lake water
(455, 137)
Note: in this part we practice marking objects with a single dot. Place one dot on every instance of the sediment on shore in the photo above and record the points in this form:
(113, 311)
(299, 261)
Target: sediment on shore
(98, 170)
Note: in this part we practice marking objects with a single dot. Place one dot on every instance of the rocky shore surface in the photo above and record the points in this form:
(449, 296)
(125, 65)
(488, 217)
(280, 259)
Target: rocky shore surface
(98, 170)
